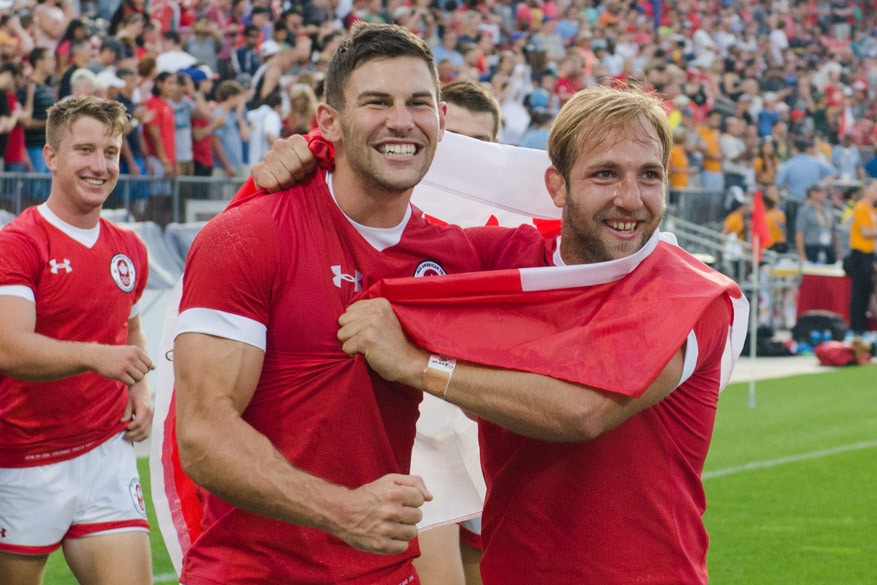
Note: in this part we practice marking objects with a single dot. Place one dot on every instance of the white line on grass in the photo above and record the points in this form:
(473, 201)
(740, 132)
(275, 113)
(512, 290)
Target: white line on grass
(165, 578)
(791, 459)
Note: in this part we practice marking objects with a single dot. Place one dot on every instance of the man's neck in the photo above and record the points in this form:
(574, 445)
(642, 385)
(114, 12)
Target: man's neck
(367, 204)
(71, 215)
(619, 266)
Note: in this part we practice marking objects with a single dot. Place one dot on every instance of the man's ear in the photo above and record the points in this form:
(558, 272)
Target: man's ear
(556, 186)
(443, 121)
(50, 156)
(328, 120)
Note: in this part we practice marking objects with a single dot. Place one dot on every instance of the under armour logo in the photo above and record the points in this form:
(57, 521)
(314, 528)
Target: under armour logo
(56, 266)
(355, 278)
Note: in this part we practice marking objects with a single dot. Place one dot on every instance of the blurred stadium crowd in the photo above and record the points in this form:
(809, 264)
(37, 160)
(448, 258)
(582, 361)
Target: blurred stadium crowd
(749, 84)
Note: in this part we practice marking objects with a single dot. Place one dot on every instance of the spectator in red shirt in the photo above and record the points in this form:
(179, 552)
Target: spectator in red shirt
(202, 126)
(571, 80)
(159, 131)
(11, 77)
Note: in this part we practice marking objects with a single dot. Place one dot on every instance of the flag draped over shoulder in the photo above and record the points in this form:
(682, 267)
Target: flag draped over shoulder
(563, 322)
(551, 321)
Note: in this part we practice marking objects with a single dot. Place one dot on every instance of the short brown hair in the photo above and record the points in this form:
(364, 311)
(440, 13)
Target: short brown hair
(65, 113)
(146, 65)
(599, 111)
(228, 89)
(370, 42)
(474, 97)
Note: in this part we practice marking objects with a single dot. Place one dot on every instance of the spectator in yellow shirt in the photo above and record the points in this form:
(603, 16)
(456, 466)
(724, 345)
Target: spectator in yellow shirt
(776, 220)
(712, 178)
(767, 163)
(680, 169)
(859, 265)
(739, 218)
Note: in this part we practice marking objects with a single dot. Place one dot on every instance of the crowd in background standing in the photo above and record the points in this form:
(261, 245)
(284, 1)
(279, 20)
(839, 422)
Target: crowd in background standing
(750, 86)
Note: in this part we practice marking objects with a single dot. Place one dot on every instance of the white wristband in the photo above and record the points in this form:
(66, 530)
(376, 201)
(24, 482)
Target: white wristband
(437, 375)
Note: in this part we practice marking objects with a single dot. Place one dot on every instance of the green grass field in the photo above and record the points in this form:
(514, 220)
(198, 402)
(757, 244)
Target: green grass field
(791, 485)
(809, 515)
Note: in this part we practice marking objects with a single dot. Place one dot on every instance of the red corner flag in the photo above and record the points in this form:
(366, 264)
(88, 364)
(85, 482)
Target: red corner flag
(760, 231)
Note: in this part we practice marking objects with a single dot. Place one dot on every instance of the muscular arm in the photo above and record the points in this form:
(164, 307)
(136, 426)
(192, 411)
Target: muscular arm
(215, 381)
(529, 404)
(545, 408)
(27, 355)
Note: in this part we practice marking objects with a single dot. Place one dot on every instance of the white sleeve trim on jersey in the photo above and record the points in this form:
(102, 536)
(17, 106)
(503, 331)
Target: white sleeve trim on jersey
(690, 360)
(135, 310)
(222, 324)
(18, 290)
(729, 360)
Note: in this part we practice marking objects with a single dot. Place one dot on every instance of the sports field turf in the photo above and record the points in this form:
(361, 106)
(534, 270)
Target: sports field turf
(807, 514)
(791, 485)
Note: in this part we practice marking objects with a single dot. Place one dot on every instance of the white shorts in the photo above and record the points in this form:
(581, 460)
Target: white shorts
(95, 493)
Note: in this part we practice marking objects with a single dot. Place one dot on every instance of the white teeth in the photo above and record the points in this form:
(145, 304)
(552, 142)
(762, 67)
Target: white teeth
(94, 181)
(398, 149)
(622, 226)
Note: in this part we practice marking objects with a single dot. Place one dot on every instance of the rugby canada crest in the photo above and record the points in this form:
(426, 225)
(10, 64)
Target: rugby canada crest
(122, 270)
(137, 496)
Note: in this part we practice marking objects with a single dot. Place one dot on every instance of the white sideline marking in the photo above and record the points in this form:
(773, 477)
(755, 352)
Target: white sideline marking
(165, 578)
(791, 459)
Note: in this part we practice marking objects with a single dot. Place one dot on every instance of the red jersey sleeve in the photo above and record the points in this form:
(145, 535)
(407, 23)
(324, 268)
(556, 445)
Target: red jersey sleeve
(19, 259)
(501, 248)
(232, 264)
